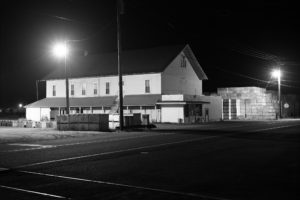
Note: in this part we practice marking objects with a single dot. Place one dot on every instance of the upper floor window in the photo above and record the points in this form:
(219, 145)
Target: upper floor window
(95, 89)
(83, 91)
(54, 90)
(183, 62)
(147, 86)
(72, 89)
(107, 88)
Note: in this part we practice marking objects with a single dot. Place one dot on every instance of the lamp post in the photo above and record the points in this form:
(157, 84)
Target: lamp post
(119, 12)
(61, 50)
(277, 74)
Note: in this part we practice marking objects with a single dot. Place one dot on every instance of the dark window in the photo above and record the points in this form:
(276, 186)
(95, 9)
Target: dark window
(147, 86)
(198, 109)
(107, 88)
(72, 90)
(97, 108)
(106, 108)
(186, 110)
(95, 89)
(54, 90)
(148, 107)
(183, 62)
(134, 107)
(83, 88)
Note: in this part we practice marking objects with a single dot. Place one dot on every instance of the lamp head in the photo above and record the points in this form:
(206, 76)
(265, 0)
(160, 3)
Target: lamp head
(276, 73)
(60, 50)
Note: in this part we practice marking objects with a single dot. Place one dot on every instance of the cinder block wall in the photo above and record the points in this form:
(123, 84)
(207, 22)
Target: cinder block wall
(252, 102)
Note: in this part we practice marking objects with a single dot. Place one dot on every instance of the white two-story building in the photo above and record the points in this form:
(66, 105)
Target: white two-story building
(164, 84)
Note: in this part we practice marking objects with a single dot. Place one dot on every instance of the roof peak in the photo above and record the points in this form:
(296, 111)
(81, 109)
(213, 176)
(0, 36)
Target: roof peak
(134, 61)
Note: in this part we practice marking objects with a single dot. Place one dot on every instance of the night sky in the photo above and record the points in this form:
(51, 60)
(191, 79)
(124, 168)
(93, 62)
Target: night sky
(237, 43)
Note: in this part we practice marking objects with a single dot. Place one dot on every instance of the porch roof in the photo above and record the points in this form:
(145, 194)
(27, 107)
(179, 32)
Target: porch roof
(129, 100)
(74, 102)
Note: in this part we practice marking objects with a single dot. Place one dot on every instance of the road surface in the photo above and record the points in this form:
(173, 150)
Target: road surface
(217, 161)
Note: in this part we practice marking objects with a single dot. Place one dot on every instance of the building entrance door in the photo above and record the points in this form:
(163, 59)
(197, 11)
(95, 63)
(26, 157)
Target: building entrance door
(145, 120)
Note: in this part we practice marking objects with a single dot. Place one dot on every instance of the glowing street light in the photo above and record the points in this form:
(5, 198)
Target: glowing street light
(277, 74)
(20, 105)
(61, 50)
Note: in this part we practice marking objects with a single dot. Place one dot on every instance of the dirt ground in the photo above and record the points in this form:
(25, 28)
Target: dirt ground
(10, 134)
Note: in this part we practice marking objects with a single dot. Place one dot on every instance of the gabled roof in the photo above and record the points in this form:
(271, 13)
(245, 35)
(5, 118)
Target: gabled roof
(194, 62)
(152, 60)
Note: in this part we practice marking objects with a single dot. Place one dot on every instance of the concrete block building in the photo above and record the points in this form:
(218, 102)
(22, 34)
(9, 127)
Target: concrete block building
(164, 84)
(248, 103)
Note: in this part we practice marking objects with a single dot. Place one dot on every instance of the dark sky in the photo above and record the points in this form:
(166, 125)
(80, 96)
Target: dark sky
(237, 43)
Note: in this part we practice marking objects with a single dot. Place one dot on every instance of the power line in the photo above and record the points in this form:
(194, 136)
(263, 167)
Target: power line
(253, 78)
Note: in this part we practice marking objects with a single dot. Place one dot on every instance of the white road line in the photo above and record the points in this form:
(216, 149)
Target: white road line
(29, 145)
(33, 192)
(27, 149)
(3, 169)
(128, 186)
(115, 152)
(273, 128)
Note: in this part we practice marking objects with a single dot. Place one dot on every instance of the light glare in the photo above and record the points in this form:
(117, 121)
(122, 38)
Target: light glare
(276, 73)
(60, 50)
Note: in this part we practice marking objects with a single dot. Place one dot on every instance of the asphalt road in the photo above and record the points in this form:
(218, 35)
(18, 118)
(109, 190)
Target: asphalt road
(217, 161)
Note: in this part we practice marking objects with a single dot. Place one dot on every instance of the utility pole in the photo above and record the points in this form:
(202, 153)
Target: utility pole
(67, 82)
(37, 89)
(119, 12)
(279, 94)
(277, 74)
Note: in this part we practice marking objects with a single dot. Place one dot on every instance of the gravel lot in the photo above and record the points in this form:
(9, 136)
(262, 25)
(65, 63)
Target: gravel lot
(10, 134)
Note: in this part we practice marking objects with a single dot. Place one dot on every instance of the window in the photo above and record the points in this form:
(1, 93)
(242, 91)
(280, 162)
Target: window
(83, 91)
(54, 90)
(95, 89)
(183, 62)
(148, 107)
(147, 86)
(107, 88)
(134, 107)
(72, 90)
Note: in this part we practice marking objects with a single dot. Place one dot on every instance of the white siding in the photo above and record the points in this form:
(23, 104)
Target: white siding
(37, 114)
(133, 85)
(33, 114)
(180, 80)
(172, 114)
(59, 86)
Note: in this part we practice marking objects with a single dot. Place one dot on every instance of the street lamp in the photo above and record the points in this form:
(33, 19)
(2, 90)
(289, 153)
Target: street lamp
(61, 50)
(277, 74)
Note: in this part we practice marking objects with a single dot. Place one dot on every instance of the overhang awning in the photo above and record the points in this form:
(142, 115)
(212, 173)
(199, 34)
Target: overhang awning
(129, 100)
(141, 100)
(74, 102)
(181, 102)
